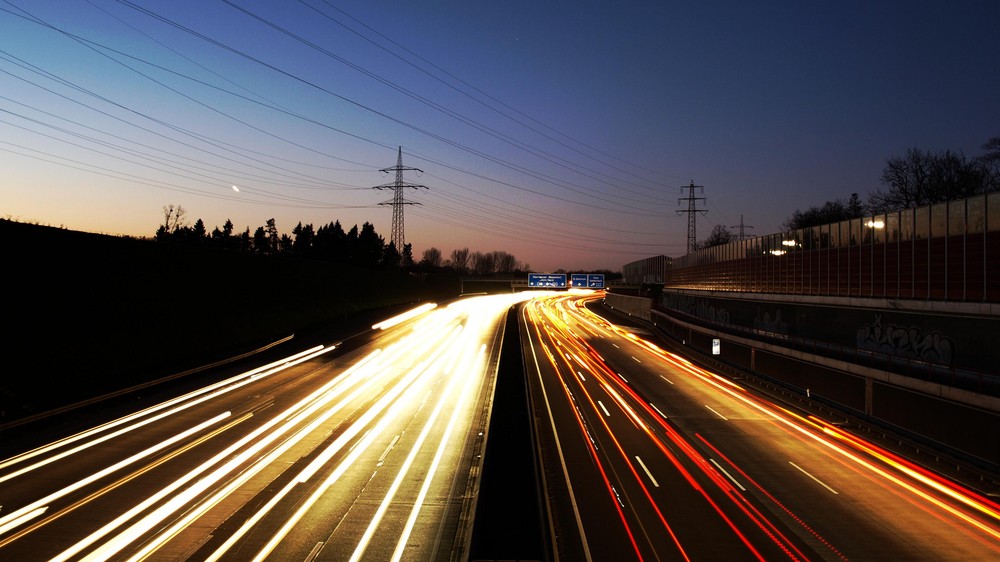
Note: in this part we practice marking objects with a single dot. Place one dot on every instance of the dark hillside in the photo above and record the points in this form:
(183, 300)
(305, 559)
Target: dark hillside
(86, 314)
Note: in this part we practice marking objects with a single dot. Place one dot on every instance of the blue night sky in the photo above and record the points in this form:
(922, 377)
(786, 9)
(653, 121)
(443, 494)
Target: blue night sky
(561, 132)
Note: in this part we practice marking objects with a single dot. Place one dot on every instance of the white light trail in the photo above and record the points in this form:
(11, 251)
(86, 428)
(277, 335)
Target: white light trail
(404, 470)
(269, 369)
(6, 521)
(404, 537)
(385, 324)
(109, 549)
(23, 518)
(473, 308)
(401, 349)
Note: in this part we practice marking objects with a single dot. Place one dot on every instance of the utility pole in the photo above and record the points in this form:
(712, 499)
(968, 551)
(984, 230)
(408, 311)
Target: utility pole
(397, 201)
(741, 226)
(691, 211)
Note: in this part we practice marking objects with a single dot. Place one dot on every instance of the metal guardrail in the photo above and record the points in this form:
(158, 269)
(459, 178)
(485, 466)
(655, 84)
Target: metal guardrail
(111, 395)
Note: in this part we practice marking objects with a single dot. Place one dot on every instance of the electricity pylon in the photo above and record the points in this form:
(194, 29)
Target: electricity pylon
(397, 201)
(691, 211)
(742, 235)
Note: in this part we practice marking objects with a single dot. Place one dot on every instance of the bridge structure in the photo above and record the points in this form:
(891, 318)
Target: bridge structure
(892, 318)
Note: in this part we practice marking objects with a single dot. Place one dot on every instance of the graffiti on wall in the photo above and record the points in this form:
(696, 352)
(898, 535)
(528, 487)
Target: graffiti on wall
(712, 313)
(766, 322)
(699, 308)
(910, 342)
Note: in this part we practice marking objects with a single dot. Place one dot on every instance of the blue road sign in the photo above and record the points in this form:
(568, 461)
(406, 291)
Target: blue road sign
(553, 280)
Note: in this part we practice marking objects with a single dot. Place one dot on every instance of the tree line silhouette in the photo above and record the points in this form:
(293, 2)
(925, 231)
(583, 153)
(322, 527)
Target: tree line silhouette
(358, 246)
(362, 246)
(918, 178)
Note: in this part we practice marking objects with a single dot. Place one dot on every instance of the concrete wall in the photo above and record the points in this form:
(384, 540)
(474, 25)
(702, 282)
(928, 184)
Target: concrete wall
(946, 337)
(958, 419)
(634, 306)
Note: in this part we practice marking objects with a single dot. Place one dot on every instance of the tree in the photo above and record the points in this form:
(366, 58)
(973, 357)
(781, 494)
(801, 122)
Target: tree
(407, 255)
(246, 242)
(991, 161)
(504, 262)
(830, 212)
(483, 263)
(921, 178)
(855, 209)
(390, 257)
(350, 245)
(260, 241)
(369, 246)
(173, 218)
(302, 243)
(720, 235)
(198, 232)
(272, 236)
(460, 259)
(331, 243)
(431, 258)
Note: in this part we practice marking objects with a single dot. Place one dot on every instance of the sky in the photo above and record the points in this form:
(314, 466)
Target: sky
(562, 132)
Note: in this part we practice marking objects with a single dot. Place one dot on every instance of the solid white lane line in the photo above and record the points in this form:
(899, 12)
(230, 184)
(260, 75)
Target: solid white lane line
(562, 457)
(716, 413)
(649, 474)
(818, 481)
(729, 476)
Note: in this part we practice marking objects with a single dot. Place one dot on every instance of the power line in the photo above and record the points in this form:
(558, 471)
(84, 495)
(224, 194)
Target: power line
(647, 180)
(242, 151)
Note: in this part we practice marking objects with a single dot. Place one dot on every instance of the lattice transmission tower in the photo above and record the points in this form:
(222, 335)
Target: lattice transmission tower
(743, 235)
(398, 201)
(691, 211)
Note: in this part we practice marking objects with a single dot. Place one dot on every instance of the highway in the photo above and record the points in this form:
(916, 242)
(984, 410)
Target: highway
(368, 454)
(646, 456)
(374, 453)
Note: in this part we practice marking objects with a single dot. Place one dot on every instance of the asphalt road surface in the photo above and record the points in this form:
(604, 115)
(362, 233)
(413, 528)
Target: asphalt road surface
(648, 457)
(369, 454)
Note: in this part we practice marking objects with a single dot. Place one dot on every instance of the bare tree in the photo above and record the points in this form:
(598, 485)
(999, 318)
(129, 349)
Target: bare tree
(830, 212)
(483, 263)
(991, 160)
(173, 218)
(920, 178)
(720, 235)
(504, 262)
(460, 259)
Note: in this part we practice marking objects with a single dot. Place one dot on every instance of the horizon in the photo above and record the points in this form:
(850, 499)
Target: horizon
(568, 146)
